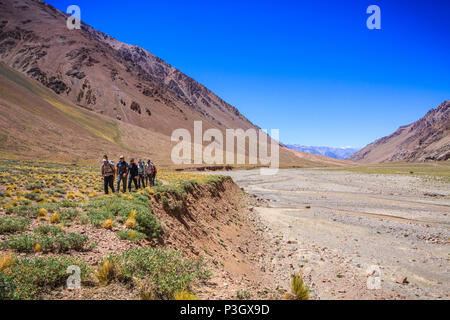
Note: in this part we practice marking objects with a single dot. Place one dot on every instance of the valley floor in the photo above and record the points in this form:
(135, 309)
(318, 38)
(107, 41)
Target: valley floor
(335, 225)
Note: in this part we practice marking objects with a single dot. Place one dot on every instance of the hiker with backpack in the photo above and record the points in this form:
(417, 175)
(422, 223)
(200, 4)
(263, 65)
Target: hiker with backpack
(108, 174)
(153, 176)
(141, 174)
(148, 173)
(121, 172)
(133, 171)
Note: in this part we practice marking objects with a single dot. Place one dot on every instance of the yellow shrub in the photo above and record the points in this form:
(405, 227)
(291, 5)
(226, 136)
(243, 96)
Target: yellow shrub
(42, 212)
(130, 223)
(70, 196)
(184, 295)
(37, 247)
(6, 260)
(132, 235)
(108, 224)
(55, 218)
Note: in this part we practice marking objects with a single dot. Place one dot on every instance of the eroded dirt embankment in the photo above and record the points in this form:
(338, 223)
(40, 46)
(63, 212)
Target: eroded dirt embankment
(214, 221)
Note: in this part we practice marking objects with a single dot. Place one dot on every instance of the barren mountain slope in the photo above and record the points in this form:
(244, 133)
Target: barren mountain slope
(426, 139)
(99, 72)
(119, 92)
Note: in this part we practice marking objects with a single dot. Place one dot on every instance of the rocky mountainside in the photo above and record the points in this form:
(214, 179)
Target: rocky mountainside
(74, 94)
(336, 153)
(426, 139)
(100, 73)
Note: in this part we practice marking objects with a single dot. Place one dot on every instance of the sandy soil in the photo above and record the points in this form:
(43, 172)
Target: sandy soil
(336, 225)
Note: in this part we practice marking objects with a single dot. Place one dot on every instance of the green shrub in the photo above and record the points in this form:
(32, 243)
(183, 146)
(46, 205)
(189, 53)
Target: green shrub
(28, 278)
(166, 269)
(58, 242)
(131, 235)
(48, 230)
(101, 209)
(13, 224)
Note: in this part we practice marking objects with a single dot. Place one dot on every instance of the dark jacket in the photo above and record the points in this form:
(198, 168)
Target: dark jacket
(133, 170)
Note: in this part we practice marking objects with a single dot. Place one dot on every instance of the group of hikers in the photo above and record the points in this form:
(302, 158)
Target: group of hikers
(140, 173)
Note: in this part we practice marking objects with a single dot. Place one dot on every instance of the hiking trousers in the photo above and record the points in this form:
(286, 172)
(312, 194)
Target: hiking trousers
(153, 179)
(121, 178)
(141, 181)
(135, 180)
(108, 183)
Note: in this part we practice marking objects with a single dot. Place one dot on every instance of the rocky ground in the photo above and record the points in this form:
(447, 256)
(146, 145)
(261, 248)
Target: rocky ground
(338, 227)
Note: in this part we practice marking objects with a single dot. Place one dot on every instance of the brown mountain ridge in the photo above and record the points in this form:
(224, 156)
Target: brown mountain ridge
(75, 94)
(426, 139)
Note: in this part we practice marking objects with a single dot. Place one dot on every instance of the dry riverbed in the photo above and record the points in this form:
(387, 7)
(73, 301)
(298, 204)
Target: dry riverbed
(338, 226)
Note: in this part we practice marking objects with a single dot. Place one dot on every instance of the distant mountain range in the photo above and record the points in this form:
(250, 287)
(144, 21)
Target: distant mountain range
(336, 153)
(426, 139)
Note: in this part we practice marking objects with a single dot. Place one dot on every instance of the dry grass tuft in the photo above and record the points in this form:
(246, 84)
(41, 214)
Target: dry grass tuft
(130, 223)
(7, 259)
(108, 224)
(298, 288)
(106, 271)
(184, 295)
(55, 218)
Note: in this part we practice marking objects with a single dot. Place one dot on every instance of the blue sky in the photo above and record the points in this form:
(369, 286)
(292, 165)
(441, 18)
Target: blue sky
(309, 68)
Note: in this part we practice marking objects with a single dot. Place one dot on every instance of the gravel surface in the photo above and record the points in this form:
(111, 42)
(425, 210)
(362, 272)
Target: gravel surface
(339, 226)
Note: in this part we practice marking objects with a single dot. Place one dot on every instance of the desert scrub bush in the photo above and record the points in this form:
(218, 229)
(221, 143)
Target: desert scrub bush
(167, 270)
(9, 224)
(131, 235)
(184, 295)
(299, 290)
(100, 209)
(34, 210)
(48, 230)
(59, 242)
(243, 294)
(27, 278)
(68, 215)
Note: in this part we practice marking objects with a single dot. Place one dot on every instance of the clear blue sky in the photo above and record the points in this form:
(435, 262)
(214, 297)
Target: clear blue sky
(309, 68)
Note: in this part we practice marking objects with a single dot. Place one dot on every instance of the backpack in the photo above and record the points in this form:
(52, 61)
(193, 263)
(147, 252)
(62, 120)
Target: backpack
(110, 166)
(153, 169)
